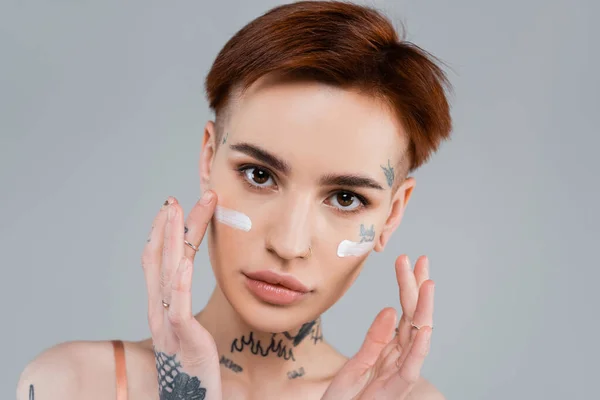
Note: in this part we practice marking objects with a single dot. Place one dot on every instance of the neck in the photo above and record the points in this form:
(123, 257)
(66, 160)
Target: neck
(258, 355)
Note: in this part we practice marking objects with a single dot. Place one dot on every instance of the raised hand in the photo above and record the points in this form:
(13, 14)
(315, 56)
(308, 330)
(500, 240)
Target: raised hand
(186, 355)
(389, 362)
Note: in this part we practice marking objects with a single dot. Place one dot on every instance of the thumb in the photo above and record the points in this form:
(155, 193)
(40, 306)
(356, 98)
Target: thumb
(378, 336)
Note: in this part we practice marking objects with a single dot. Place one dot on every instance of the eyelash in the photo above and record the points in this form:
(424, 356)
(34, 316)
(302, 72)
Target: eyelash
(241, 171)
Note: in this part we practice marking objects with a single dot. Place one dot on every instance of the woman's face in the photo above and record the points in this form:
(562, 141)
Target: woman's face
(309, 169)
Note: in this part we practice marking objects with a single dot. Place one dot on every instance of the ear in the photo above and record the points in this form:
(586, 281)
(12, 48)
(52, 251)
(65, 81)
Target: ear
(207, 155)
(399, 203)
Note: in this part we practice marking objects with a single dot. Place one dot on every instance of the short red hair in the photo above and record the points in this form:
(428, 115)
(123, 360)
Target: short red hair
(345, 45)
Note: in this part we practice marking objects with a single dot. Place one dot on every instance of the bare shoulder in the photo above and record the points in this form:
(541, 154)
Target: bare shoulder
(80, 369)
(425, 390)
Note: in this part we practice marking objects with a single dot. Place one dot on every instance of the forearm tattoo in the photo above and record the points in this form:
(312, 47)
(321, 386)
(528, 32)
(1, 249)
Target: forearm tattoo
(173, 383)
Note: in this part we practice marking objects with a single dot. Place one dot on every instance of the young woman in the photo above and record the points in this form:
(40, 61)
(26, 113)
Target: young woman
(322, 111)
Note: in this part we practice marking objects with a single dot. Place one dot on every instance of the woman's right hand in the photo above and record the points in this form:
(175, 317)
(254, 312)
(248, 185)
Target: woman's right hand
(186, 355)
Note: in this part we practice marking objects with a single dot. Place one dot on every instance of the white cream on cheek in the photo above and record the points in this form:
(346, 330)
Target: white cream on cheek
(349, 248)
(234, 219)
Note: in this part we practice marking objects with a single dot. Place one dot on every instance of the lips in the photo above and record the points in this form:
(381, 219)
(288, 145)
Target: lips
(287, 281)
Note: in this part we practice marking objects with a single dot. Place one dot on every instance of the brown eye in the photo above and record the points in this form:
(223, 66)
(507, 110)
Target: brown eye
(257, 176)
(344, 199)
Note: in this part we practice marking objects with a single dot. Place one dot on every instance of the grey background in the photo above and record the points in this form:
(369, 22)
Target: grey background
(101, 116)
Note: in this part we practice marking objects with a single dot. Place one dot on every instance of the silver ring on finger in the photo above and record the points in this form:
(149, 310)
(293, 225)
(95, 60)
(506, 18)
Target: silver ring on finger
(165, 304)
(418, 327)
(191, 245)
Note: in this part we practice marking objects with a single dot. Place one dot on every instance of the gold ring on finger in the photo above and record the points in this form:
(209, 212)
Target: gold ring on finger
(191, 245)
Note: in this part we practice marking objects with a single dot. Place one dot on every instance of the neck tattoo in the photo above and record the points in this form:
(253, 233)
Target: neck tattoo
(276, 346)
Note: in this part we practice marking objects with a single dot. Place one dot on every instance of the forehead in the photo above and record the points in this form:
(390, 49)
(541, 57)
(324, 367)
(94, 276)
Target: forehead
(330, 128)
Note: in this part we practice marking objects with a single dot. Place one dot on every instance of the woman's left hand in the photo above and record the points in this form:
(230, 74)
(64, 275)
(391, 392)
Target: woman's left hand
(388, 364)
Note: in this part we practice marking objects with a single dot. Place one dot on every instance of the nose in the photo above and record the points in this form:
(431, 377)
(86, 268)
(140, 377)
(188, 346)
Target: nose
(289, 234)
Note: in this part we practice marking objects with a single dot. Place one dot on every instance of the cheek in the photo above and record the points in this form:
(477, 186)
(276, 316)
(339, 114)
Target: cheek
(346, 240)
(337, 277)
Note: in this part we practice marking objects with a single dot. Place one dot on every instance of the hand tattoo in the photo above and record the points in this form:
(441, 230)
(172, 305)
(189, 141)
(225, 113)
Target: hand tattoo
(174, 384)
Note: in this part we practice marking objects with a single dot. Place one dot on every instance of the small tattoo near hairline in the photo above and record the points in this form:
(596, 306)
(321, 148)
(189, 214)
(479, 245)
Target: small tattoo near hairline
(296, 373)
(367, 235)
(230, 364)
(225, 137)
(389, 174)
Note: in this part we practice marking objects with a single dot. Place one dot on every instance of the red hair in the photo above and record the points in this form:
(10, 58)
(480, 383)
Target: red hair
(346, 45)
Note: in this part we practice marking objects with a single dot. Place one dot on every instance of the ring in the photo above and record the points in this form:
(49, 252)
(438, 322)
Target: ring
(191, 245)
(165, 305)
(418, 327)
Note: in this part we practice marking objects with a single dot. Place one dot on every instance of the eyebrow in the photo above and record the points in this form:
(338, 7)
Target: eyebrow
(350, 181)
(282, 166)
(262, 155)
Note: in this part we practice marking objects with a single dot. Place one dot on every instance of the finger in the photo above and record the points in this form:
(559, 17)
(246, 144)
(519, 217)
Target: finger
(151, 261)
(378, 336)
(409, 294)
(421, 270)
(172, 249)
(424, 311)
(423, 316)
(197, 222)
(402, 382)
(407, 285)
(195, 342)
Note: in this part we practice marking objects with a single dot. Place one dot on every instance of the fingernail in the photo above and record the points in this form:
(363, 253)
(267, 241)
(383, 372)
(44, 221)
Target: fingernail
(171, 213)
(206, 197)
(167, 202)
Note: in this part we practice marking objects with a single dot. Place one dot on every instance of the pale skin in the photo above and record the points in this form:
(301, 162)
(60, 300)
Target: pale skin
(388, 364)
